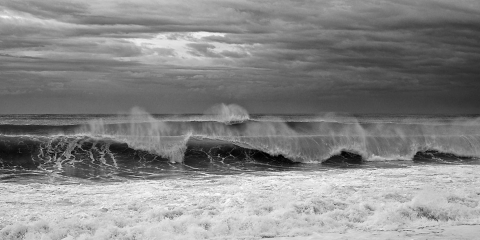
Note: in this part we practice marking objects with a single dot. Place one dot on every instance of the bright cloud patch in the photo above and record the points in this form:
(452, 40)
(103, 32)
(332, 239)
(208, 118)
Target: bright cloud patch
(191, 45)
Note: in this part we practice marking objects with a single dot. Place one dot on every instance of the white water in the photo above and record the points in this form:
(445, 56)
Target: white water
(423, 202)
(304, 142)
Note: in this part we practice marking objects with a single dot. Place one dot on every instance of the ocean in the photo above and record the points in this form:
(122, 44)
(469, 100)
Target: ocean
(227, 174)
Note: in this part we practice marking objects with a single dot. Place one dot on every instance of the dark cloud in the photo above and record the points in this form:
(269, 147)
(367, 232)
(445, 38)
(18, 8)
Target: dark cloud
(305, 53)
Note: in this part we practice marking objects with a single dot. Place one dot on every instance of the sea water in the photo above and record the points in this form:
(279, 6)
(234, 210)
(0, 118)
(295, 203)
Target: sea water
(229, 174)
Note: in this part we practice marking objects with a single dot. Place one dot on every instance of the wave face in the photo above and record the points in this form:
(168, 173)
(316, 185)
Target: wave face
(105, 158)
(226, 135)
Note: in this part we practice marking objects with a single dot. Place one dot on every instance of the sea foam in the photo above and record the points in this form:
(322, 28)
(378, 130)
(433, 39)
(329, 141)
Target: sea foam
(404, 202)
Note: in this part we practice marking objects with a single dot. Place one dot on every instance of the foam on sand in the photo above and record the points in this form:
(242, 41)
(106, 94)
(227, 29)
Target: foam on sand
(362, 203)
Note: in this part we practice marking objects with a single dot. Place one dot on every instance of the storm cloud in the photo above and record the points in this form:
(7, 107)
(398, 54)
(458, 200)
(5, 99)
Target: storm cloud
(270, 56)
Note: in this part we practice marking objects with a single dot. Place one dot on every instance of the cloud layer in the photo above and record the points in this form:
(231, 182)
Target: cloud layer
(271, 56)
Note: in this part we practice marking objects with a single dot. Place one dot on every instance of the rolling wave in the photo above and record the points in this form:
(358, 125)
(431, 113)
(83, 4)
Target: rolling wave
(229, 125)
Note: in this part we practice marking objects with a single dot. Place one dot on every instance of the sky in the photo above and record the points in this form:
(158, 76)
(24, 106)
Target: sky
(269, 56)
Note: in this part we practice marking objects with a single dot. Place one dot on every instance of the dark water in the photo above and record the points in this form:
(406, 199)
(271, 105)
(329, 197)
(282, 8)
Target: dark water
(142, 146)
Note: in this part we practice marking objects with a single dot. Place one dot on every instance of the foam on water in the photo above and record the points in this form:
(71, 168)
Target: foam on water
(407, 203)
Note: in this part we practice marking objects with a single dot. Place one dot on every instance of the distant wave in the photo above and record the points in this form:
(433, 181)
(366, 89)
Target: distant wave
(222, 113)
(229, 114)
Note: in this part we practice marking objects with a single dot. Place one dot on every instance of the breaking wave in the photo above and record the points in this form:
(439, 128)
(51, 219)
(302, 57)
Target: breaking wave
(300, 141)
(225, 132)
